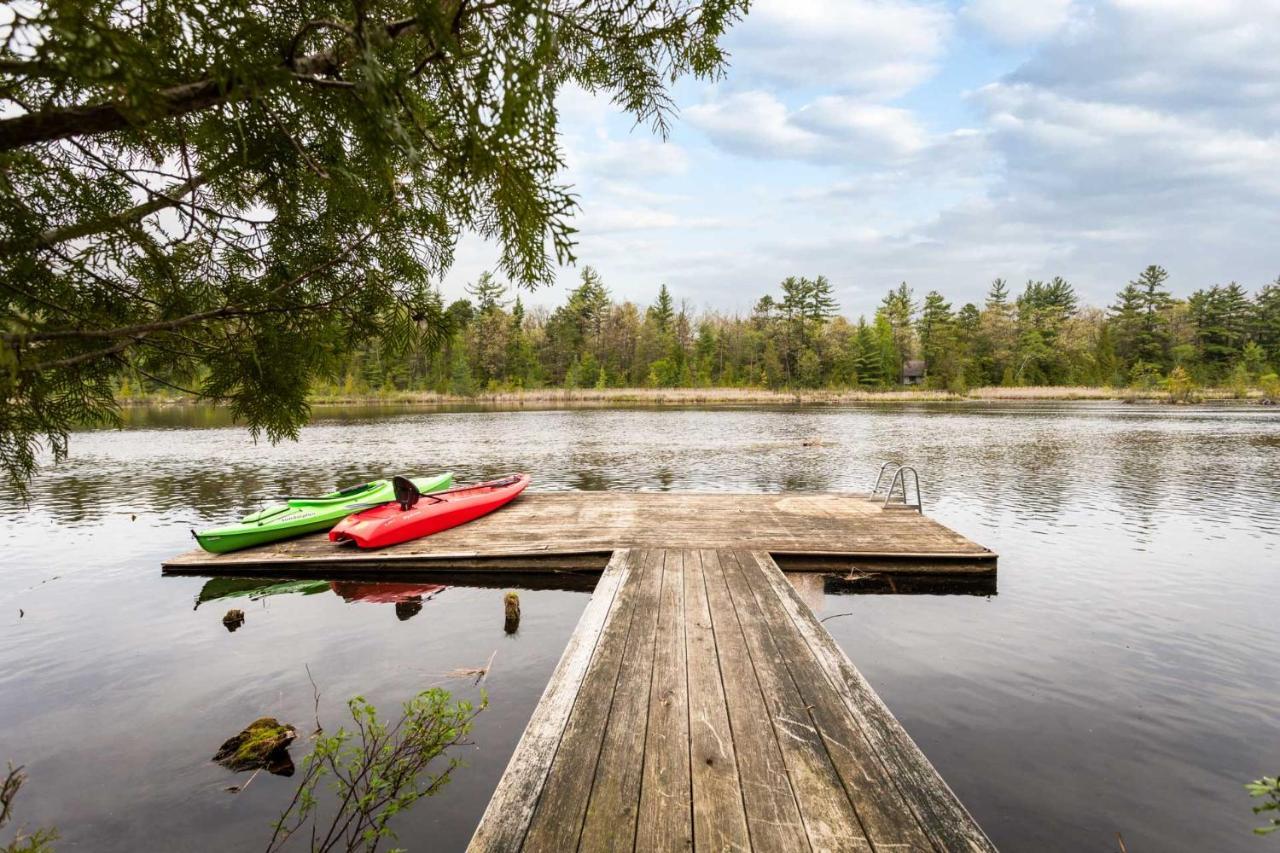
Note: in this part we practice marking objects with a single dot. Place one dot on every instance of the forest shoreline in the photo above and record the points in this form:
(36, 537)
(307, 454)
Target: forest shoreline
(742, 396)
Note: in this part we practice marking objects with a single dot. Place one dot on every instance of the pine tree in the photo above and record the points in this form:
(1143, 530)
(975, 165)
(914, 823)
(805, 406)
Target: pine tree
(998, 294)
(1141, 317)
(821, 304)
(487, 292)
(1043, 310)
(898, 309)
(1266, 322)
(933, 327)
(663, 311)
(996, 339)
(1221, 317)
(870, 374)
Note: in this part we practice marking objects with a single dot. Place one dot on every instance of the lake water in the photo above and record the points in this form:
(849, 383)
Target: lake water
(1123, 679)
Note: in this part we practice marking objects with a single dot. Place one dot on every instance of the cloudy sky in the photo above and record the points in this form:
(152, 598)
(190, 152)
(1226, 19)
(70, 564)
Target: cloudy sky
(943, 143)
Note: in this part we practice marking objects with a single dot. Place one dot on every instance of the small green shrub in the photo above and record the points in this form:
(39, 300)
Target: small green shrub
(1268, 789)
(1180, 386)
(1239, 382)
(374, 772)
(1270, 385)
(40, 841)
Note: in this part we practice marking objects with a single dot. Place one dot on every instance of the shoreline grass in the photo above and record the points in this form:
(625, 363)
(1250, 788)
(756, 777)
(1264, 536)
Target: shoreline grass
(737, 396)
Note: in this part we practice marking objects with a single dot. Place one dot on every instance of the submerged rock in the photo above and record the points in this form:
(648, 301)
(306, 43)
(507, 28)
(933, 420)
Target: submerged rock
(233, 620)
(264, 744)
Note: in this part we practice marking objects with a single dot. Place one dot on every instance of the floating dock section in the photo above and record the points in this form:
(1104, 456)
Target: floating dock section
(572, 529)
(699, 704)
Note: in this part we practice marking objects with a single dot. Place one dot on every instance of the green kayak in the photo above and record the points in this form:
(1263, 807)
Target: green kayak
(307, 515)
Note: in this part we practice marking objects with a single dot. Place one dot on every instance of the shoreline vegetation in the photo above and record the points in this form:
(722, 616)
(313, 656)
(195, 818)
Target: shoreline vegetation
(748, 396)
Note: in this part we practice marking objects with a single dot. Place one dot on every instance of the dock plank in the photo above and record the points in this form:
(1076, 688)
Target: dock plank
(773, 817)
(556, 823)
(829, 818)
(614, 801)
(885, 815)
(719, 817)
(666, 816)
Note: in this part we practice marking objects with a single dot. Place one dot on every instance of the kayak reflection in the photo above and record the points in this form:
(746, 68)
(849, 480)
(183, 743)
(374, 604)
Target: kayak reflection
(253, 589)
(407, 597)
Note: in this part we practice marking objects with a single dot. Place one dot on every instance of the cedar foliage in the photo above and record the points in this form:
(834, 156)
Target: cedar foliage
(233, 199)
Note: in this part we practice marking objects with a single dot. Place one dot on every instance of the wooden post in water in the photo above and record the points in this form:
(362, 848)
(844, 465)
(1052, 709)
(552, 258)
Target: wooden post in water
(512, 606)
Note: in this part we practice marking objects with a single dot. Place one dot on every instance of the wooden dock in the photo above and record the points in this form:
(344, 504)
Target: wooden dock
(699, 704)
(581, 529)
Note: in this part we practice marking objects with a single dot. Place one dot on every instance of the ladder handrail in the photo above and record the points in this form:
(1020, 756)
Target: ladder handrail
(899, 476)
(880, 477)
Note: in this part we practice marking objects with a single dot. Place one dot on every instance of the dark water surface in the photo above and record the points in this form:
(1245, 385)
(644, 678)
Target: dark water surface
(1125, 678)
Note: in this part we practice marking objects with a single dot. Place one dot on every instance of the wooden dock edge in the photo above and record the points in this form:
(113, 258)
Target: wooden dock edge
(510, 809)
(938, 809)
(534, 561)
(904, 563)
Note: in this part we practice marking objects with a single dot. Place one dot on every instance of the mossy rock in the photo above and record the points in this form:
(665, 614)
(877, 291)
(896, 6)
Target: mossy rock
(233, 620)
(264, 743)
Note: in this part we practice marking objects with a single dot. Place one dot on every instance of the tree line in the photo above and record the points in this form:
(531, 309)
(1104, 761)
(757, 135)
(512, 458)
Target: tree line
(796, 338)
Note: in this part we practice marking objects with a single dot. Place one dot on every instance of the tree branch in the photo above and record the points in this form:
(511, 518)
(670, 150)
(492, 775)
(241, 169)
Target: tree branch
(136, 333)
(169, 197)
(93, 119)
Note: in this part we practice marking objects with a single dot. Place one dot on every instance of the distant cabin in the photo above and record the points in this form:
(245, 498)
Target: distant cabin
(913, 372)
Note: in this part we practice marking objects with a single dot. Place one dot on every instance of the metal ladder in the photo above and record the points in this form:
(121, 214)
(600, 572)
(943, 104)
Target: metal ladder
(898, 482)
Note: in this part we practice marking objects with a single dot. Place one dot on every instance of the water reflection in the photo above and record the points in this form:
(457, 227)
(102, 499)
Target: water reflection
(1121, 680)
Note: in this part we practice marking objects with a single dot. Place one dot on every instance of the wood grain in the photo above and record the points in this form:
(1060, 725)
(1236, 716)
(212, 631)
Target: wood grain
(666, 801)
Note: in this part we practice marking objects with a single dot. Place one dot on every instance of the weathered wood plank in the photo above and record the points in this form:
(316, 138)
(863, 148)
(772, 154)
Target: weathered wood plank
(885, 816)
(507, 816)
(828, 816)
(614, 793)
(719, 817)
(940, 812)
(556, 823)
(773, 818)
(666, 818)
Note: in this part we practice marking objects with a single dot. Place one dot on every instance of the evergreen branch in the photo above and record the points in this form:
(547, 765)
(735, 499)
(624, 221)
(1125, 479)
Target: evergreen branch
(95, 119)
(223, 313)
(162, 199)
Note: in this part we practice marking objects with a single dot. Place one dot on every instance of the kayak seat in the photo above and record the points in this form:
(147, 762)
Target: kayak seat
(406, 492)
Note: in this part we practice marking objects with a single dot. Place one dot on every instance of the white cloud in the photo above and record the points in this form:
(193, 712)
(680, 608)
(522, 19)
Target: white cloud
(875, 48)
(831, 129)
(1017, 21)
(1101, 148)
(637, 156)
(614, 219)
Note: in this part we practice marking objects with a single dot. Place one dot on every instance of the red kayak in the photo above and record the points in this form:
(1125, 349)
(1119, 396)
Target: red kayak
(414, 514)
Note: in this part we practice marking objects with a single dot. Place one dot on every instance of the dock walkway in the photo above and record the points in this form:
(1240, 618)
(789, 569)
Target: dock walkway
(700, 705)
